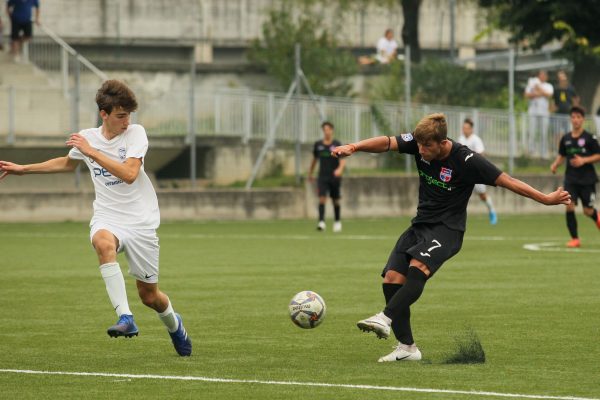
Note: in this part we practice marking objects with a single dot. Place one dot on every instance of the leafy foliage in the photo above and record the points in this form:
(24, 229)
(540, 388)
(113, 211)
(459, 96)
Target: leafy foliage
(327, 68)
(440, 82)
(573, 23)
(537, 23)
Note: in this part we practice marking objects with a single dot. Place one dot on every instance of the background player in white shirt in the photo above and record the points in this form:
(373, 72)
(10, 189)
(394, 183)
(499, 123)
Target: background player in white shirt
(474, 142)
(126, 213)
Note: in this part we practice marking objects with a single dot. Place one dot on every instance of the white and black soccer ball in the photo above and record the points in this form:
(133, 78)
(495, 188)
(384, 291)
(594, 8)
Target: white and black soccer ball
(307, 309)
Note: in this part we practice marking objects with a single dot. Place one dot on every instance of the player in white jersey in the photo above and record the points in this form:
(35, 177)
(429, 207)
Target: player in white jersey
(473, 141)
(126, 213)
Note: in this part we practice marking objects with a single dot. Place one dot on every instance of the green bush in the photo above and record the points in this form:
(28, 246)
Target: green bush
(436, 81)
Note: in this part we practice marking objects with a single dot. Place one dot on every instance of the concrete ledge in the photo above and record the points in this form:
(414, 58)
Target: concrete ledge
(386, 196)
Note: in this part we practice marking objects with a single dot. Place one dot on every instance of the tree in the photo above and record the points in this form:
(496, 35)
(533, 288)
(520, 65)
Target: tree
(436, 81)
(410, 10)
(574, 23)
(327, 68)
(410, 29)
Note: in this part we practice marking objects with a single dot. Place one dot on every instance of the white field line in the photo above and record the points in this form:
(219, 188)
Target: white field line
(556, 247)
(316, 236)
(295, 383)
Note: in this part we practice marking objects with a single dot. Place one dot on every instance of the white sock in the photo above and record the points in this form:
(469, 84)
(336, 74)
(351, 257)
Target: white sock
(411, 348)
(489, 204)
(115, 287)
(169, 319)
(385, 318)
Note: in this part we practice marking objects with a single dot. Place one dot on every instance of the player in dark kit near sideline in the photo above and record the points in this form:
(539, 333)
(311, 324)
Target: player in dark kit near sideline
(448, 172)
(330, 175)
(126, 213)
(580, 148)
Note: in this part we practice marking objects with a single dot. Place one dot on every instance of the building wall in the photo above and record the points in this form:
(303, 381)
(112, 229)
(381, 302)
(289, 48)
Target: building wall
(361, 197)
(239, 21)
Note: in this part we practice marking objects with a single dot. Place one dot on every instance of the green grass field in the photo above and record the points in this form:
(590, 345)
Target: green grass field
(537, 313)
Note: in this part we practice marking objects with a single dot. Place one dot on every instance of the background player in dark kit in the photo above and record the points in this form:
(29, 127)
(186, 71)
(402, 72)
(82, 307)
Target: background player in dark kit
(330, 175)
(447, 173)
(580, 148)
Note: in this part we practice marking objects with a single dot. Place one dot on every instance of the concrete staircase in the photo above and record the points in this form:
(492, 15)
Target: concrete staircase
(40, 108)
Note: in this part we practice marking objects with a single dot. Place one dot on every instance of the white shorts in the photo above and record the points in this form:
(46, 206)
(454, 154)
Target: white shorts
(480, 188)
(140, 247)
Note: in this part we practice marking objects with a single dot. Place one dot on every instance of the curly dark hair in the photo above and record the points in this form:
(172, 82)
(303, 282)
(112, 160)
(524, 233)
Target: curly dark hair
(115, 94)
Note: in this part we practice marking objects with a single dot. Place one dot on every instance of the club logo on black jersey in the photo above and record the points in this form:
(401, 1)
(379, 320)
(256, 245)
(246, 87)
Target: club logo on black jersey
(581, 142)
(445, 174)
(407, 137)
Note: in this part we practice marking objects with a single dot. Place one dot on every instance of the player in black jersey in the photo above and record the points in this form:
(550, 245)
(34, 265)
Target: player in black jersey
(580, 148)
(448, 172)
(330, 175)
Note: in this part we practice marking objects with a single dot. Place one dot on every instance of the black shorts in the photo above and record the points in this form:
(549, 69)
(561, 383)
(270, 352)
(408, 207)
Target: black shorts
(432, 244)
(329, 185)
(587, 193)
(18, 27)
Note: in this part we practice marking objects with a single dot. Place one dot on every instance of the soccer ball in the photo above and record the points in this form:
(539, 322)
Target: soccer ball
(307, 309)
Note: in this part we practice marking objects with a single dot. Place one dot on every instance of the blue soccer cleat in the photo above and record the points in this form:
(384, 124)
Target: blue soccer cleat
(493, 218)
(181, 340)
(125, 326)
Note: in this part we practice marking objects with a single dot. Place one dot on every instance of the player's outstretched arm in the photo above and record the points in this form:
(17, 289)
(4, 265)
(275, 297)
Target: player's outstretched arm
(557, 162)
(127, 171)
(559, 196)
(55, 165)
(379, 144)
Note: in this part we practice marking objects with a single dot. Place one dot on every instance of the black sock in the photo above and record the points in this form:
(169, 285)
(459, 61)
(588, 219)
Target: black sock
(401, 326)
(336, 211)
(321, 212)
(410, 292)
(572, 224)
(594, 215)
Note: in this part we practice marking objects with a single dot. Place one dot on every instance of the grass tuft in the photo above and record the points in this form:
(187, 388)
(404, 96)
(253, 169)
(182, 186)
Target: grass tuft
(468, 349)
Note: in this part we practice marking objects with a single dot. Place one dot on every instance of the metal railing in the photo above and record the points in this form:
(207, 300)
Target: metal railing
(39, 107)
(249, 115)
(53, 55)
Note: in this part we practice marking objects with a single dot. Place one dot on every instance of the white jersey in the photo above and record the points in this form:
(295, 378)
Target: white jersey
(473, 142)
(131, 206)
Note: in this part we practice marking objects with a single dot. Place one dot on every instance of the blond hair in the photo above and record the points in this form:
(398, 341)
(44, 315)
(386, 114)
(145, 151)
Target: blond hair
(432, 127)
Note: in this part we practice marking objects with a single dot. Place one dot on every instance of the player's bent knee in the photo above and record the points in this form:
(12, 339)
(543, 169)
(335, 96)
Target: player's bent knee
(420, 266)
(394, 277)
(105, 247)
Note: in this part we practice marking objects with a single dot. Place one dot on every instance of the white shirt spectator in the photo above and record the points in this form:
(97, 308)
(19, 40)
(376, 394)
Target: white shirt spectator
(539, 105)
(473, 142)
(385, 49)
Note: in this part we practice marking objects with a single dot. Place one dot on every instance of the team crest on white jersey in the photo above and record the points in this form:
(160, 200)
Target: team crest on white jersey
(407, 137)
(122, 153)
(445, 174)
